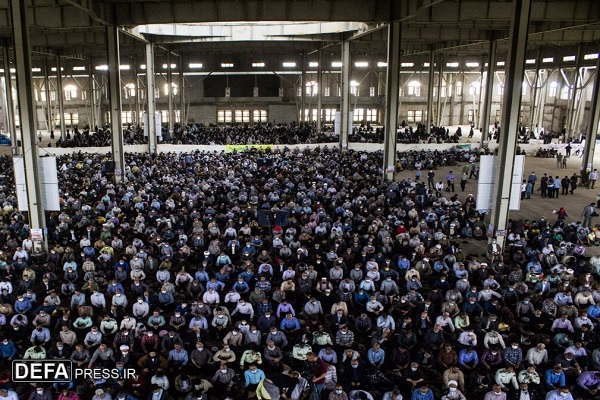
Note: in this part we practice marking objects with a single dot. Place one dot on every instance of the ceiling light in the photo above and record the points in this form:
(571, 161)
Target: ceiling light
(289, 64)
(426, 64)
(548, 59)
(472, 64)
(361, 64)
(590, 56)
(451, 65)
(143, 66)
(407, 65)
(172, 66)
(226, 65)
(569, 58)
(336, 64)
(78, 68)
(36, 70)
(125, 67)
(102, 67)
(195, 65)
(258, 65)
(53, 69)
(500, 63)
(382, 64)
(313, 64)
(530, 61)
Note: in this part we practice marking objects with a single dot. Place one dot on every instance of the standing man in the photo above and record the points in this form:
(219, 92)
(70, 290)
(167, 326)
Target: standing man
(544, 186)
(319, 372)
(450, 181)
(533, 179)
(588, 215)
(431, 183)
(557, 185)
(559, 158)
(592, 178)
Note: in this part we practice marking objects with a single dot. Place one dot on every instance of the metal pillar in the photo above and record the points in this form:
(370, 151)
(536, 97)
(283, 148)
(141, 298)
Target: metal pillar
(392, 92)
(150, 97)
(429, 119)
(590, 139)
(303, 116)
(10, 107)
(92, 95)
(489, 93)
(439, 96)
(532, 103)
(570, 115)
(346, 124)
(61, 98)
(515, 68)
(22, 50)
(320, 89)
(114, 90)
(182, 119)
(49, 121)
(170, 92)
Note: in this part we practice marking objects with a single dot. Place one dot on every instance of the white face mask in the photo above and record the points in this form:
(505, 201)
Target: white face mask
(150, 333)
(515, 347)
(453, 390)
(223, 371)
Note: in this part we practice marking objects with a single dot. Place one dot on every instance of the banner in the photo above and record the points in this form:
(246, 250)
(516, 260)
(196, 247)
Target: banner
(48, 179)
(230, 148)
(486, 183)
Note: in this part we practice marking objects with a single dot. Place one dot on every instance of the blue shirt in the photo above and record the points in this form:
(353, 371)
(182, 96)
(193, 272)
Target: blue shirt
(555, 380)
(376, 357)
(417, 395)
(289, 323)
(555, 395)
(466, 357)
(182, 356)
(593, 311)
(254, 378)
(43, 335)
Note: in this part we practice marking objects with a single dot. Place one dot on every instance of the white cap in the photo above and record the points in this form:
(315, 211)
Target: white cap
(452, 382)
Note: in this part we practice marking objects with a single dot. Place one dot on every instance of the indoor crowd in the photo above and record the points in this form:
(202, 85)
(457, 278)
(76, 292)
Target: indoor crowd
(227, 276)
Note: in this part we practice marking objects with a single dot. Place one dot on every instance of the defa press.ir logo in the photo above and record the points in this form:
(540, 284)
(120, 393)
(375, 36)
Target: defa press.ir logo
(55, 371)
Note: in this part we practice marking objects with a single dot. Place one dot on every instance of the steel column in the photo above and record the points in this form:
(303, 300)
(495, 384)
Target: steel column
(114, 90)
(303, 116)
(10, 107)
(532, 103)
(489, 93)
(22, 51)
(320, 89)
(392, 92)
(49, 122)
(429, 119)
(515, 68)
(570, 116)
(590, 139)
(439, 96)
(92, 94)
(170, 93)
(61, 98)
(150, 97)
(182, 119)
(346, 124)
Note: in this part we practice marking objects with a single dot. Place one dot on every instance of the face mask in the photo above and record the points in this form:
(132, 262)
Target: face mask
(41, 391)
(525, 302)
(59, 347)
(413, 369)
(515, 347)
(254, 331)
(511, 289)
(354, 366)
(178, 315)
(163, 291)
(338, 392)
(150, 334)
(453, 390)
(253, 371)
(563, 394)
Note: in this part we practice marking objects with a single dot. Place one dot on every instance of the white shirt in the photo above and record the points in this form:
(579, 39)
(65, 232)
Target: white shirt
(11, 395)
